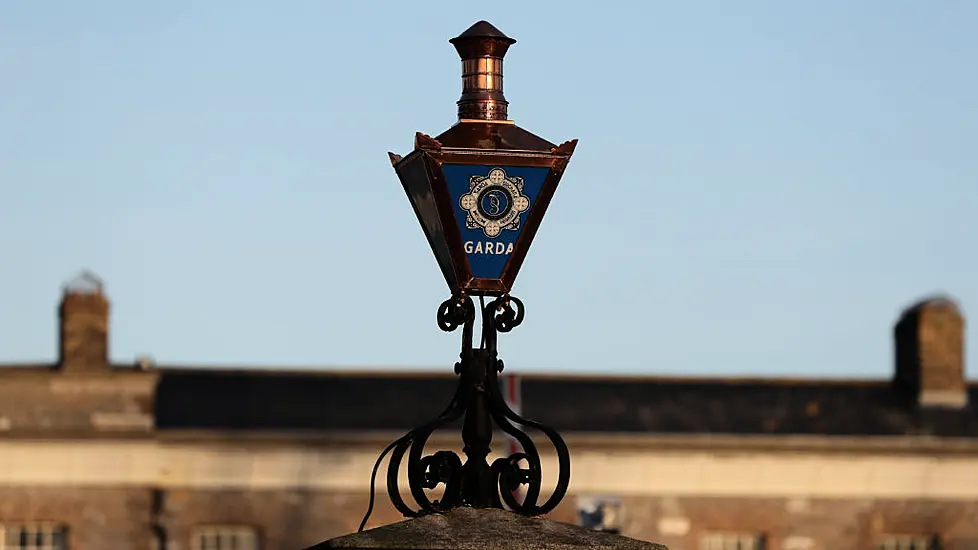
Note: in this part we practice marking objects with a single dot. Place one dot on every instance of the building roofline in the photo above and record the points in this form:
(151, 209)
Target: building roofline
(373, 371)
(908, 445)
(435, 372)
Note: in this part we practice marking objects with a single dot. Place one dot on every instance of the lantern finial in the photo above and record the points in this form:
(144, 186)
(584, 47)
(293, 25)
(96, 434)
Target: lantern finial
(482, 48)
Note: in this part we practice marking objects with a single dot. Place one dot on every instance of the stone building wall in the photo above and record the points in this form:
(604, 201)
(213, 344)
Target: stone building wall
(105, 518)
(38, 402)
(799, 523)
(95, 518)
(286, 519)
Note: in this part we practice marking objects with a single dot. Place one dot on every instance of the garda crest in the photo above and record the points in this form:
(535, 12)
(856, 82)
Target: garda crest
(494, 202)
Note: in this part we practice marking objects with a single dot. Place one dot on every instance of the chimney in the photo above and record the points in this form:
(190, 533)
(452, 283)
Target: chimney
(929, 352)
(482, 48)
(84, 326)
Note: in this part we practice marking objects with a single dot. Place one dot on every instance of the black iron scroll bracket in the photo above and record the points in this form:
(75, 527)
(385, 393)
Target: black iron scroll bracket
(479, 400)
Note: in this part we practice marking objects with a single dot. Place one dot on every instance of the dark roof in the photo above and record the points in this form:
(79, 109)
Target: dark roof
(33, 366)
(319, 401)
(266, 400)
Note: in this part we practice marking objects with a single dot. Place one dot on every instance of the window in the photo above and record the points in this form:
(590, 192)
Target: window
(908, 542)
(33, 536)
(600, 513)
(732, 541)
(225, 537)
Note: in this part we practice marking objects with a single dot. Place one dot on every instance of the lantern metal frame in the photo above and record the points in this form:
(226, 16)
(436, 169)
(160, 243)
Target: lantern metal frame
(456, 268)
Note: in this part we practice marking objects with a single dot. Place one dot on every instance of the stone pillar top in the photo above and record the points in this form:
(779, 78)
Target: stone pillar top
(483, 529)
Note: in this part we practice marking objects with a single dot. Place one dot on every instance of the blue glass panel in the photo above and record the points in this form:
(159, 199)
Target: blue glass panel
(491, 206)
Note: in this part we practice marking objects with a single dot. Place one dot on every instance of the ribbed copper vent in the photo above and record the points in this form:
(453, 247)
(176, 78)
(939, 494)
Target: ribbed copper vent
(482, 48)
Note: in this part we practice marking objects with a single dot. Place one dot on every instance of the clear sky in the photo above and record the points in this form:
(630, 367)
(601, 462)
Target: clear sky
(760, 187)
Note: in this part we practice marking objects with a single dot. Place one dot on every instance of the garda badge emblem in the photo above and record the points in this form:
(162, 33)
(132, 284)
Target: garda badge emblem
(494, 202)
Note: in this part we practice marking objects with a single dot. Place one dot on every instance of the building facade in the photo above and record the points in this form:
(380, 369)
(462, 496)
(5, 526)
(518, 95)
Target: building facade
(97, 456)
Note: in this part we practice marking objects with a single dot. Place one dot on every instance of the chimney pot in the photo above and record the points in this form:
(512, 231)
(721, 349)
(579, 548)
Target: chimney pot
(929, 339)
(84, 326)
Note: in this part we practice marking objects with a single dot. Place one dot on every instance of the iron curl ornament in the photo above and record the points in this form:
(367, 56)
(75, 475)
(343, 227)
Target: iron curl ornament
(478, 398)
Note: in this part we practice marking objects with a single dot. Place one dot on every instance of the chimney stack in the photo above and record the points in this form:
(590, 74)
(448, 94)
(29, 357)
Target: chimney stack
(482, 48)
(929, 340)
(84, 326)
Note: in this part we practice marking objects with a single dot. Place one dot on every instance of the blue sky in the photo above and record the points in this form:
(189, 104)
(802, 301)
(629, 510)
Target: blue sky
(760, 187)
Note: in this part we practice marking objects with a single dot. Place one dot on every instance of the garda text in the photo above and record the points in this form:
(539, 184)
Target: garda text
(488, 247)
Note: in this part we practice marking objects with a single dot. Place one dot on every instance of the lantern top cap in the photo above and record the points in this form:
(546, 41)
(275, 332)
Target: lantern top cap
(481, 39)
(483, 29)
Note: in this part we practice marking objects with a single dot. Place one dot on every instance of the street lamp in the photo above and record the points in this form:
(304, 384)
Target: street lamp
(480, 190)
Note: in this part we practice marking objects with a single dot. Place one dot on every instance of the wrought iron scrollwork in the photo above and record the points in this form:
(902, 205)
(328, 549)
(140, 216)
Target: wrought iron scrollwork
(479, 400)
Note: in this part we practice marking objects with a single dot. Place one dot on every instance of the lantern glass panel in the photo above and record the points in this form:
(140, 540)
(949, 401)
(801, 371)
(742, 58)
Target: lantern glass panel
(491, 205)
(414, 176)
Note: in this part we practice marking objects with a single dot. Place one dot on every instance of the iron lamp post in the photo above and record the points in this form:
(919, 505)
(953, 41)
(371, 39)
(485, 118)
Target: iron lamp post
(480, 190)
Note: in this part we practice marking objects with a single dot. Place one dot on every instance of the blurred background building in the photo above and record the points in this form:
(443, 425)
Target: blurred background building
(96, 455)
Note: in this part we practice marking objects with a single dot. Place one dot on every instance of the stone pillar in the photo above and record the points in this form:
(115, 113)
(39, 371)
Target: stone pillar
(483, 529)
(83, 340)
(929, 353)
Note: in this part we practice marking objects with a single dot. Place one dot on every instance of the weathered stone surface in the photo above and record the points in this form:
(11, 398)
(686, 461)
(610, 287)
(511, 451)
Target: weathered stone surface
(483, 529)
